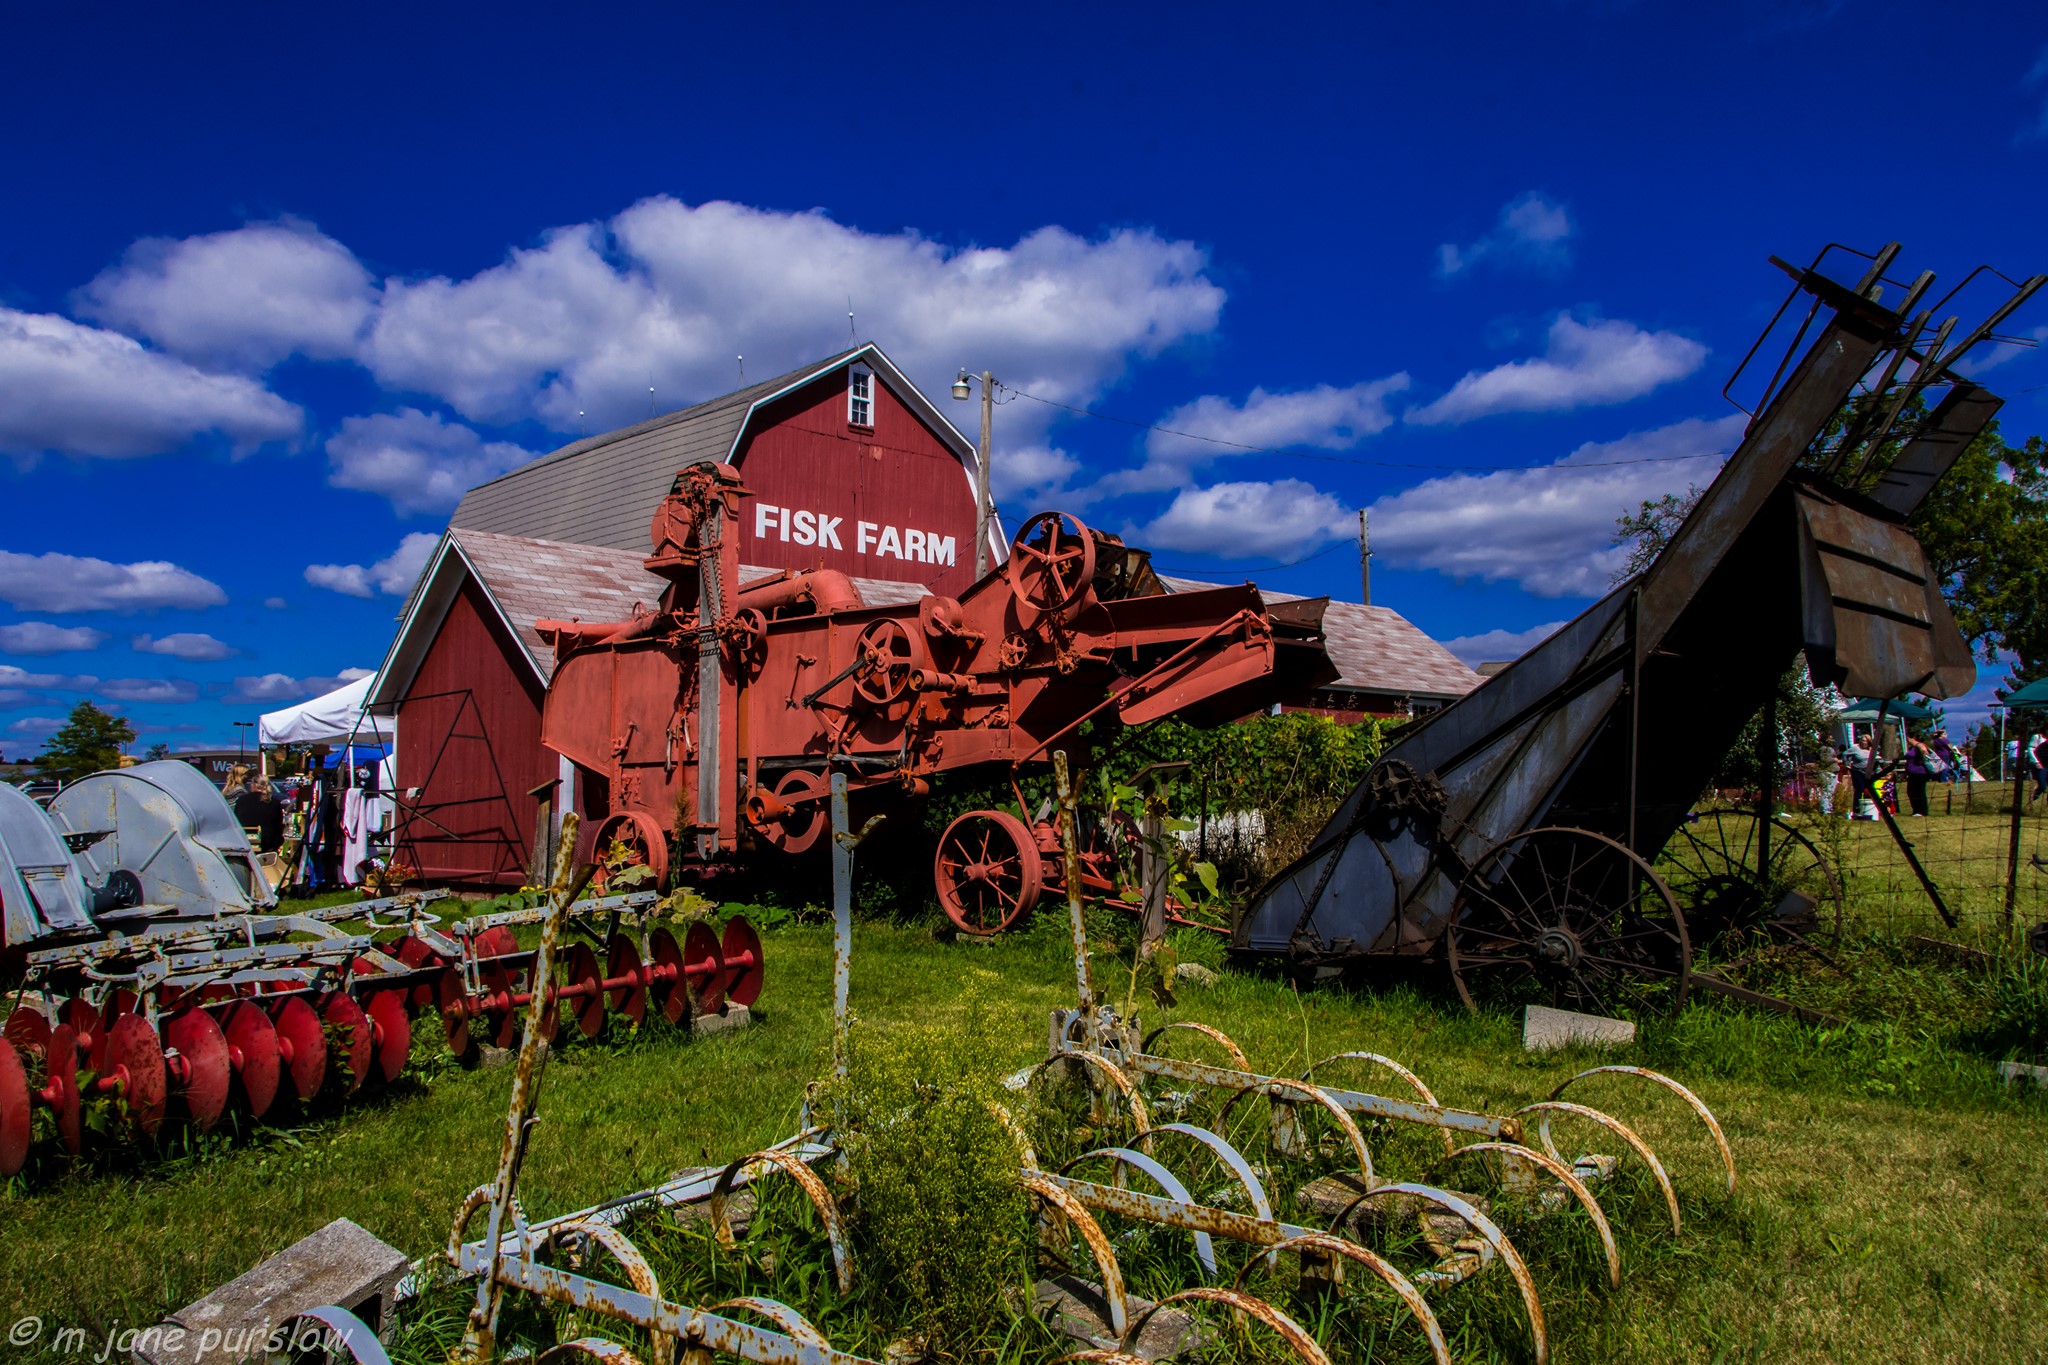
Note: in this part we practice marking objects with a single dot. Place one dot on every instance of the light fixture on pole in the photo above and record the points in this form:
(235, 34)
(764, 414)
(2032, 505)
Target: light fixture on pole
(982, 510)
(241, 736)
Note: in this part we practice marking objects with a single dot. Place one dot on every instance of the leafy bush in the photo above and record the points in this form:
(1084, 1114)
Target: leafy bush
(937, 1208)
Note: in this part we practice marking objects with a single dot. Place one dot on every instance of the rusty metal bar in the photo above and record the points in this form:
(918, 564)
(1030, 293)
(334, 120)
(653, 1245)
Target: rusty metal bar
(1070, 848)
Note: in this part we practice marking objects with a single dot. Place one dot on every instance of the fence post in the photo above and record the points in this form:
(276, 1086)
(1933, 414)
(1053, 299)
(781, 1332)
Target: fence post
(2012, 849)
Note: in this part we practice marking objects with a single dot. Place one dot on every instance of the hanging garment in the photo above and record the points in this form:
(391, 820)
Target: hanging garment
(355, 835)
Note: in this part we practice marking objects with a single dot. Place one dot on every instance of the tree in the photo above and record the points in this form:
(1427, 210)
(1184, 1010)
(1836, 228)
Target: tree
(1648, 529)
(157, 751)
(1985, 529)
(90, 740)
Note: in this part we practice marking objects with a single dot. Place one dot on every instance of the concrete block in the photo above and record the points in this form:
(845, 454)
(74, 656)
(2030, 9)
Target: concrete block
(1076, 1308)
(1545, 1029)
(340, 1264)
(735, 1018)
(2020, 1073)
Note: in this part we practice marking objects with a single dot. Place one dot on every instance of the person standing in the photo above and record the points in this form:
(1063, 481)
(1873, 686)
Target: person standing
(1916, 776)
(1827, 772)
(1861, 798)
(2040, 760)
(257, 809)
(1951, 761)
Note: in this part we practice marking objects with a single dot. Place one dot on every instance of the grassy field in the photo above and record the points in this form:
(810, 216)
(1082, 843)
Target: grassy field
(1889, 1205)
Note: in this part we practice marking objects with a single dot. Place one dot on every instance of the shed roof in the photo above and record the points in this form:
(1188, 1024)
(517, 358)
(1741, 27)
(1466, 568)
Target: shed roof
(1376, 649)
(529, 581)
(601, 490)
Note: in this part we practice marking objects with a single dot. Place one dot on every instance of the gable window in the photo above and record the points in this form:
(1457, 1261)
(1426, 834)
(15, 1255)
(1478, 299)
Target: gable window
(860, 397)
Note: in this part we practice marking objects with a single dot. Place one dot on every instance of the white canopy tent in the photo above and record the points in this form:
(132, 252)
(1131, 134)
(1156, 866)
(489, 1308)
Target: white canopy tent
(336, 718)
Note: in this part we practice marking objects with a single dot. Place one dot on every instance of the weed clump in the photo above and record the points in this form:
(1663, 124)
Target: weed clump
(937, 1206)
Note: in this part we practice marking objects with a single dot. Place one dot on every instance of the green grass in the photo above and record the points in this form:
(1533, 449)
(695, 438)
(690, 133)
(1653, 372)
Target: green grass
(1889, 1206)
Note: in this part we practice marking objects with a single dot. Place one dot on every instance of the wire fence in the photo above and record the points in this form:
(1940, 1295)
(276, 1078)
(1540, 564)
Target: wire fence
(1987, 868)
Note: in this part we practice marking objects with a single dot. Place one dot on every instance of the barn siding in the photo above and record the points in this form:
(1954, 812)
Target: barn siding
(800, 453)
(469, 738)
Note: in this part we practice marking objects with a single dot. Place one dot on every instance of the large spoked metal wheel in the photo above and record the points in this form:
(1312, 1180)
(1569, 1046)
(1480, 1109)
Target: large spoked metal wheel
(1741, 892)
(1052, 561)
(988, 871)
(1569, 918)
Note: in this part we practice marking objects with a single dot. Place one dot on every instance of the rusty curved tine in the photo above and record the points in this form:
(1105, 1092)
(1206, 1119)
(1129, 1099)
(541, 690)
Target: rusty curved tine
(1415, 1081)
(639, 1274)
(1091, 1232)
(1314, 1095)
(1525, 1283)
(1025, 1155)
(1233, 1159)
(477, 1201)
(1571, 1182)
(1699, 1107)
(792, 1323)
(1425, 1316)
(338, 1328)
(1117, 1078)
(1292, 1332)
(1237, 1056)
(1205, 1249)
(1614, 1125)
(806, 1179)
(587, 1349)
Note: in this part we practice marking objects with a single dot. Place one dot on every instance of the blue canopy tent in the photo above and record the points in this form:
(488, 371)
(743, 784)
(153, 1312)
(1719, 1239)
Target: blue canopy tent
(1863, 710)
(2034, 694)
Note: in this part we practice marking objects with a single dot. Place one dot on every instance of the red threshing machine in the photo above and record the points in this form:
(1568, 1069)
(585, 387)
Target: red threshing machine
(723, 709)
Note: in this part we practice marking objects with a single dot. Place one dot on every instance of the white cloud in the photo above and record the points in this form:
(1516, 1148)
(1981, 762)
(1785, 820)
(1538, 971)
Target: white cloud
(10, 676)
(1991, 356)
(1500, 645)
(420, 462)
(1533, 231)
(275, 603)
(188, 645)
(670, 293)
(37, 725)
(246, 298)
(60, 582)
(40, 637)
(1031, 471)
(150, 689)
(2036, 80)
(1249, 520)
(82, 391)
(394, 574)
(1548, 528)
(1324, 417)
(284, 687)
(1584, 364)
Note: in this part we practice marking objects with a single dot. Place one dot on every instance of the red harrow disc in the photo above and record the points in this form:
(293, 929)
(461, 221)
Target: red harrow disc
(84, 1021)
(28, 1031)
(130, 1062)
(197, 1058)
(15, 1114)
(623, 960)
(300, 1045)
(581, 973)
(454, 1022)
(60, 1088)
(340, 1011)
(391, 1032)
(252, 1052)
(704, 969)
(414, 953)
(742, 952)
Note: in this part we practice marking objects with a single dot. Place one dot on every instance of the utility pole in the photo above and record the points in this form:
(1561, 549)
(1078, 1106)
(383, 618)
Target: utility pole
(984, 513)
(982, 510)
(1364, 561)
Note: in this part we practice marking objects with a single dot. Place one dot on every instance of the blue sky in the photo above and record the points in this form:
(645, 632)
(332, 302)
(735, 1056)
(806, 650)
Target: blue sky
(274, 291)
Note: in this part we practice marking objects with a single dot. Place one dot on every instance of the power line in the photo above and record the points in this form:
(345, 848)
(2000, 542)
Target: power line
(1358, 460)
